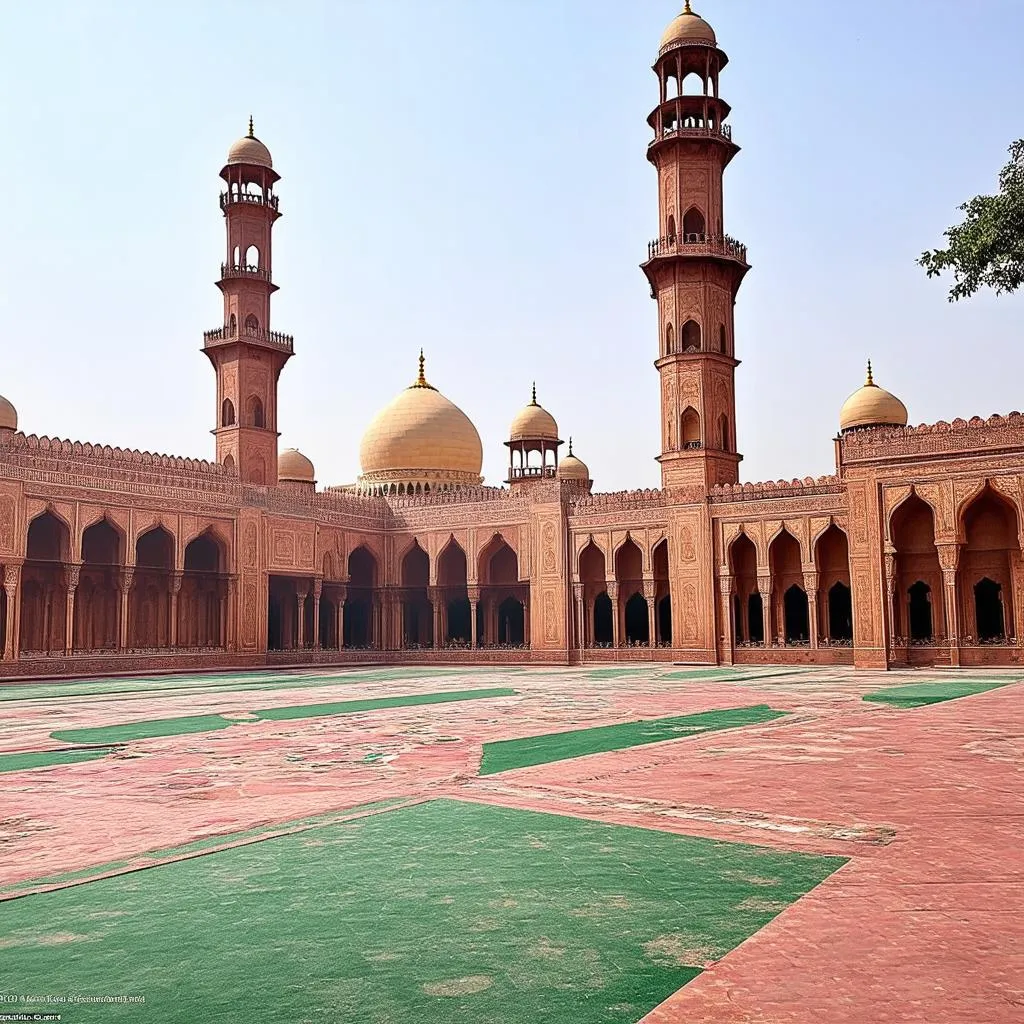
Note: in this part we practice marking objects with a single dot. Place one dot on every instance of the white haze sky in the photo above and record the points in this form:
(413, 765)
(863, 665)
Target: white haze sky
(470, 176)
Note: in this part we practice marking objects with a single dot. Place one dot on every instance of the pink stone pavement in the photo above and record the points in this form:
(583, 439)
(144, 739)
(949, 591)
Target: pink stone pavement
(925, 923)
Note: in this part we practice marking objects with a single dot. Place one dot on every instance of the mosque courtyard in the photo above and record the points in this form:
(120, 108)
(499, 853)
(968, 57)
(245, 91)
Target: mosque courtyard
(514, 844)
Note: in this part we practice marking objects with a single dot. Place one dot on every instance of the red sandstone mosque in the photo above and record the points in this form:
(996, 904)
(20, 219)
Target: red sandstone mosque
(119, 560)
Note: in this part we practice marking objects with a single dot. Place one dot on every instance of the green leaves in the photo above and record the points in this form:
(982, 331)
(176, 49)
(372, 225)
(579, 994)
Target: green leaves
(987, 249)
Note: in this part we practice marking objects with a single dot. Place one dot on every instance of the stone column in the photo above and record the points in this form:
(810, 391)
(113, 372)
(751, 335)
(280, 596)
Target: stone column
(231, 634)
(949, 560)
(301, 591)
(318, 589)
(474, 600)
(174, 584)
(74, 573)
(12, 588)
(122, 626)
(578, 613)
(613, 596)
(526, 621)
(725, 589)
(811, 589)
(436, 606)
(764, 588)
(649, 591)
(342, 597)
(890, 594)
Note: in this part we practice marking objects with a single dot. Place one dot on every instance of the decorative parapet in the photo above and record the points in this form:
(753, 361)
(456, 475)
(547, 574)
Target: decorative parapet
(647, 498)
(942, 438)
(810, 485)
(450, 496)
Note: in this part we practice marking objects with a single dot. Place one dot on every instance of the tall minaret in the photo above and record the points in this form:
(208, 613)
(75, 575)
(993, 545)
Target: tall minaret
(693, 267)
(247, 355)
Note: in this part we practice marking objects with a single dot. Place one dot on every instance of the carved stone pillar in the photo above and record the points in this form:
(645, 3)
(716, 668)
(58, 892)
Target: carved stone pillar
(301, 593)
(764, 588)
(318, 589)
(12, 588)
(342, 596)
(126, 587)
(649, 587)
(231, 634)
(728, 626)
(436, 606)
(174, 584)
(474, 600)
(613, 596)
(949, 559)
(578, 614)
(811, 589)
(74, 573)
(526, 622)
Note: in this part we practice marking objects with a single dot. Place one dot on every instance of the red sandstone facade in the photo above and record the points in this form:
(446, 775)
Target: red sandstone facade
(117, 560)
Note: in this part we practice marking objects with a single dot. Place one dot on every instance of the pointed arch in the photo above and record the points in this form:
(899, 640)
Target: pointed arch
(227, 413)
(694, 225)
(724, 440)
(748, 621)
(662, 594)
(689, 428)
(255, 413)
(690, 340)
(918, 576)
(498, 563)
(670, 340)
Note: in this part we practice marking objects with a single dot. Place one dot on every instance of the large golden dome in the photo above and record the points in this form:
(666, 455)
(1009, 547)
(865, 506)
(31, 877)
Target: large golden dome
(420, 438)
(8, 415)
(533, 423)
(687, 28)
(872, 406)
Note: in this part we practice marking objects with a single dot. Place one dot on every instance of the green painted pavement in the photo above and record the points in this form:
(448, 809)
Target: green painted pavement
(504, 755)
(438, 913)
(917, 695)
(48, 758)
(209, 723)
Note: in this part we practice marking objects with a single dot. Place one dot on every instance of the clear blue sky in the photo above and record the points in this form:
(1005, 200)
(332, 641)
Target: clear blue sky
(469, 176)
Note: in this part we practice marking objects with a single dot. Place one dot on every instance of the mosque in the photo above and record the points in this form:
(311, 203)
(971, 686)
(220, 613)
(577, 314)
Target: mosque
(910, 553)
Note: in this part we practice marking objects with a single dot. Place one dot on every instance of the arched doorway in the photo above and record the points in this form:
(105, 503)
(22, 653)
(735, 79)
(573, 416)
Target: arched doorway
(595, 586)
(456, 611)
(44, 586)
(917, 615)
(629, 576)
(636, 622)
(97, 601)
(662, 595)
(835, 605)
(201, 602)
(603, 616)
(498, 573)
(743, 569)
(797, 617)
(784, 561)
(417, 611)
(149, 603)
(511, 623)
(988, 611)
(840, 613)
(361, 602)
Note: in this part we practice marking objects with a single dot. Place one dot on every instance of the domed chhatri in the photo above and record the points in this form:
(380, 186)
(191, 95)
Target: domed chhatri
(533, 423)
(420, 437)
(249, 150)
(872, 406)
(572, 468)
(8, 415)
(294, 467)
(687, 27)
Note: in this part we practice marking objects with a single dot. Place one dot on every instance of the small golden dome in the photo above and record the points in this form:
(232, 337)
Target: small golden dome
(8, 415)
(249, 150)
(687, 28)
(421, 437)
(571, 468)
(293, 466)
(533, 423)
(872, 406)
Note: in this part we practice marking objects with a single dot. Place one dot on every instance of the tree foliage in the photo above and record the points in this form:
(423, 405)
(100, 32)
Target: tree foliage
(987, 249)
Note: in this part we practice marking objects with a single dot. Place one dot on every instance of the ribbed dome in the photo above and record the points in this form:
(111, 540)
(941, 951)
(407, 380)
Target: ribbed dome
(293, 466)
(571, 468)
(421, 437)
(687, 28)
(249, 150)
(533, 423)
(872, 406)
(8, 415)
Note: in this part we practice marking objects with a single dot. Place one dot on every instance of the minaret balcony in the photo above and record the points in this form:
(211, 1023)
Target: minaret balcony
(229, 335)
(693, 131)
(243, 270)
(721, 247)
(532, 473)
(232, 198)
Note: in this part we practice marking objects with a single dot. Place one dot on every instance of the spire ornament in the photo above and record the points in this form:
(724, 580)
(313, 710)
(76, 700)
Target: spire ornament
(533, 394)
(421, 380)
(251, 135)
(570, 446)
(869, 383)
(686, 8)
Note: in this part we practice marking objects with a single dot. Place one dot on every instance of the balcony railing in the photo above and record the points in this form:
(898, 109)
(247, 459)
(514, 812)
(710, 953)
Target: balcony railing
(227, 334)
(530, 472)
(697, 245)
(228, 270)
(230, 198)
(689, 129)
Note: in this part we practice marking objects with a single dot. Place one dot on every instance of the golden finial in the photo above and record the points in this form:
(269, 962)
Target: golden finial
(570, 446)
(533, 394)
(251, 136)
(869, 383)
(421, 381)
(686, 8)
